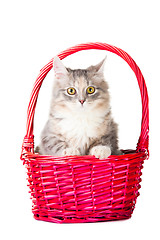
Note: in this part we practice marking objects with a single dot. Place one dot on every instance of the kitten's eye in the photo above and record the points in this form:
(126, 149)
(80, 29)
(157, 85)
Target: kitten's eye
(90, 90)
(71, 91)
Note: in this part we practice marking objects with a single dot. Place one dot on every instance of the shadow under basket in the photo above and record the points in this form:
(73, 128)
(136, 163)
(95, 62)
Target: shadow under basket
(76, 189)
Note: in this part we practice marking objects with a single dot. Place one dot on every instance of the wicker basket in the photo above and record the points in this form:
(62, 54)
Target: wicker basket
(82, 188)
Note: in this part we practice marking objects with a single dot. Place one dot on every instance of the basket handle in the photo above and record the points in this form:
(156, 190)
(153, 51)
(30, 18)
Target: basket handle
(142, 145)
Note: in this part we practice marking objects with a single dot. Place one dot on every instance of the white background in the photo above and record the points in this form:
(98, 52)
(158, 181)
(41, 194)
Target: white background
(32, 32)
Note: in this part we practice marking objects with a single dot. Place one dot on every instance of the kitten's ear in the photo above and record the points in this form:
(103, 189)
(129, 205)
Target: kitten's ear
(59, 68)
(99, 68)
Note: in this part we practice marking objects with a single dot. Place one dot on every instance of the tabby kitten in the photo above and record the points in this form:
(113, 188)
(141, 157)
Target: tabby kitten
(80, 121)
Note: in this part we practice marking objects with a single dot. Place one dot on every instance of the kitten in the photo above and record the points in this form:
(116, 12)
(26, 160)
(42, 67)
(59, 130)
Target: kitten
(80, 121)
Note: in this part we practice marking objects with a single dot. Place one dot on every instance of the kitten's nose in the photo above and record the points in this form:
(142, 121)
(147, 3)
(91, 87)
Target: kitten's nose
(81, 101)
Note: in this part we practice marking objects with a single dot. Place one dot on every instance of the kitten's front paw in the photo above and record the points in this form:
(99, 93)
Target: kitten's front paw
(100, 152)
(70, 152)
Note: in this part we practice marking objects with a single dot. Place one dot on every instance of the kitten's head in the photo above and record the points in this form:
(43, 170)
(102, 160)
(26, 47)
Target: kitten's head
(79, 89)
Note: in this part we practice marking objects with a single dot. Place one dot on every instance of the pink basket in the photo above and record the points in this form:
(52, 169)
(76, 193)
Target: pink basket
(83, 188)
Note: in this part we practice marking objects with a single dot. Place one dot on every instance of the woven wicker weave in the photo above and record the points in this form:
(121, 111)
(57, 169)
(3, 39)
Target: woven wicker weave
(83, 188)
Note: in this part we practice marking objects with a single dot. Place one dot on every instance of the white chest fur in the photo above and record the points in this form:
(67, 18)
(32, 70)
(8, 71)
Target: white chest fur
(79, 127)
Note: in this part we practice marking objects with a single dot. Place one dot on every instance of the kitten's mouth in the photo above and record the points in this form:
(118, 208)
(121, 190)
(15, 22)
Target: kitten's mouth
(82, 106)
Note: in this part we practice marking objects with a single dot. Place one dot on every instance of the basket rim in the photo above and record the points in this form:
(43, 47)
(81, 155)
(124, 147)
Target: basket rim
(125, 158)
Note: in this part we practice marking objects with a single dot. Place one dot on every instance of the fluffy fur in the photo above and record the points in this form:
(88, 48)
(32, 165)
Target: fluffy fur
(81, 123)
